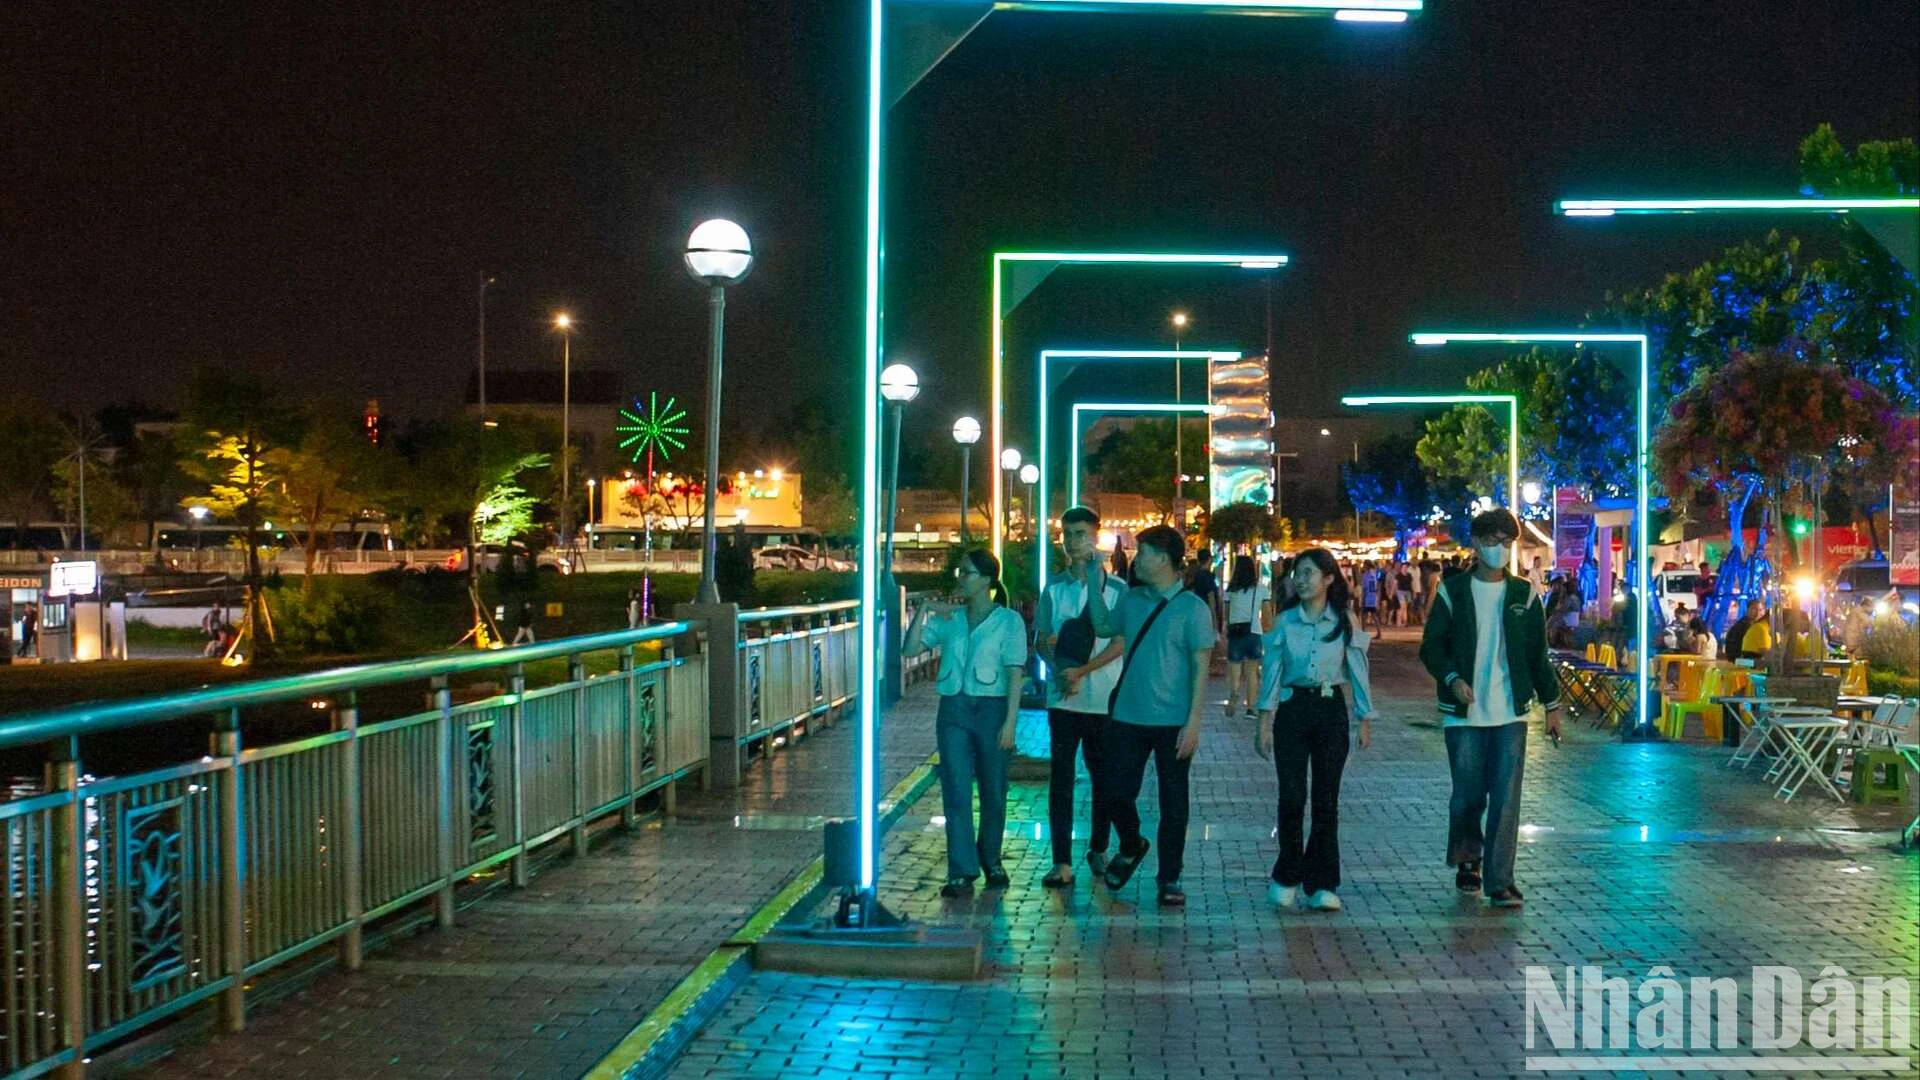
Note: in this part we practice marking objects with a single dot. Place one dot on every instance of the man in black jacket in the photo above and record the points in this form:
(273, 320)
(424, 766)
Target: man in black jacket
(1485, 644)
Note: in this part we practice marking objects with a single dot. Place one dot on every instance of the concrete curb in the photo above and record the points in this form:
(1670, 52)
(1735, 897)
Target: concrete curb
(650, 1049)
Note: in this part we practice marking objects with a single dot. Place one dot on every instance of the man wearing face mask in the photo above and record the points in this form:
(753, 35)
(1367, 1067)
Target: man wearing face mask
(1485, 645)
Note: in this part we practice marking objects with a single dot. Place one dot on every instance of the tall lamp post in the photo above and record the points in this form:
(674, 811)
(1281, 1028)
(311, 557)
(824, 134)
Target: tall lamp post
(966, 432)
(898, 385)
(563, 322)
(199, 516)
(1030, 475)
(1010, 464)
(485, 280)
(1179, 469)
(718, 254)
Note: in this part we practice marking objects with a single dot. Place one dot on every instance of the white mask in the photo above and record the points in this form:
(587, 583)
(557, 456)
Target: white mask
(1492, 556)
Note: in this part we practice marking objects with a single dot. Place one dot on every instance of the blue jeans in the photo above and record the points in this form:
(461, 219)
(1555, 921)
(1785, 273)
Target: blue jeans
(1487, 763)
(967, 731)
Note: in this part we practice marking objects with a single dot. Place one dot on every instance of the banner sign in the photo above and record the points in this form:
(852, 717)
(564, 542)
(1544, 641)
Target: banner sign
(1570, 531)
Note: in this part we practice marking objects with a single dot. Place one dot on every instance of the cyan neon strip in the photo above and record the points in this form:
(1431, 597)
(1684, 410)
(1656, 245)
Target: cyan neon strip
(1642, 467)
(1610, 207)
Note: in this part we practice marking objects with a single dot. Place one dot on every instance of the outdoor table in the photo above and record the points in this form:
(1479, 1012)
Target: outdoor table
(1757, 724)
(1806, 734)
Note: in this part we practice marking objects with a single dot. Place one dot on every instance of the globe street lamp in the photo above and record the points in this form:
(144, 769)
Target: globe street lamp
(1180, 322)
(1030, 475)
(966, 432)
(718, 254)
(199, 516)
(1010, 464)
(898, 385)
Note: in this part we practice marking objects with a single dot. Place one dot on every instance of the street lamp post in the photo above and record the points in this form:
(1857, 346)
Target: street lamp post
(898, 385)
(1030, 475)
(1179, 469)
(563, 322)
(718, 254)
(199, 516)
(591, 483)
(966, 432)
(485, 280)
(1009, 464)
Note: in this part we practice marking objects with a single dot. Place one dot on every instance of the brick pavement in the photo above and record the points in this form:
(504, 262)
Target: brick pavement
(542, 982)
(1636, 855)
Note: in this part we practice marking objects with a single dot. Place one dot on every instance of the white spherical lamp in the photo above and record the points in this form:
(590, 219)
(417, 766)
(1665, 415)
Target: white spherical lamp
(966, 431)
(1010, 459)
(899, 384)
(718, 252)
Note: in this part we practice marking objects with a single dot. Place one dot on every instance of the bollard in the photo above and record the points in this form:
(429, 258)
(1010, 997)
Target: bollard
(233, 870)
(443, 800)
(347, 719)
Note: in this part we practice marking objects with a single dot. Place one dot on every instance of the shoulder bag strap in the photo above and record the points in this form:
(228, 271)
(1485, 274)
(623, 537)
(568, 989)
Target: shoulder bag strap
(1140, 637)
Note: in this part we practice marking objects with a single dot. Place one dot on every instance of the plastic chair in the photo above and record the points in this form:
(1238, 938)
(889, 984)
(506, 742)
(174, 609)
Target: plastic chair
(1854, 682)
(1606, 657)
(1593, 653)
(1674, 725)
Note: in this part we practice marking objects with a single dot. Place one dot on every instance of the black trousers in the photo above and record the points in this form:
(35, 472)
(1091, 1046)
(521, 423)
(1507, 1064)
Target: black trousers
(1127, 748)
(1309, 741)
(1069, 732)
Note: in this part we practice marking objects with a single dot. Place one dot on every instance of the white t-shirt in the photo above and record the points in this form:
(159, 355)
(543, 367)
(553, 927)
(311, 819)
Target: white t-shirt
(1243, 606)
(1707, 646)
(1066, 599)
(1492, 689)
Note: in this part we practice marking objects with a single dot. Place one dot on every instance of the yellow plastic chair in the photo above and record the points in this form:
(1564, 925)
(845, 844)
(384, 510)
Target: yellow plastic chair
(1606, 657)
(1674, 723)
(1854, 682)
(1593, 653)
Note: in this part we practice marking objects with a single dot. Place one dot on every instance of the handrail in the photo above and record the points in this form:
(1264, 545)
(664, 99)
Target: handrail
(766, 614)
(93, 717)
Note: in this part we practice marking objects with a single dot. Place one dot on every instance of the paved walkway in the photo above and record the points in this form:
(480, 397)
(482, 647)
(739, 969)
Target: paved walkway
(1635, 856)
(542, 982)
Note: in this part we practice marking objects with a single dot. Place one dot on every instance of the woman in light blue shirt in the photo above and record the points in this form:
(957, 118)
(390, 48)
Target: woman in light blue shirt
(1314, 649)
(983, 659)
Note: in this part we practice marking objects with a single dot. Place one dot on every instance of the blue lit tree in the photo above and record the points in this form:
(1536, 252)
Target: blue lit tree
(1390, 481)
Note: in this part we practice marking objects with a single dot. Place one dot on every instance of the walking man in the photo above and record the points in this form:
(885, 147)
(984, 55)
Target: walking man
(1085, 670)
(1169, 637)
(1485, 645)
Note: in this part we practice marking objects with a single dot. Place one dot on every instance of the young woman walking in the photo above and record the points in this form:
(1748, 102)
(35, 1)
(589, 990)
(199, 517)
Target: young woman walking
(983, 658)
(1247, 617)
(1315, 649)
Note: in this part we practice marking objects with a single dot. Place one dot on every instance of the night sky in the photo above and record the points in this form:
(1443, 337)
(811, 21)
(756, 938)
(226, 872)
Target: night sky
(312, 193)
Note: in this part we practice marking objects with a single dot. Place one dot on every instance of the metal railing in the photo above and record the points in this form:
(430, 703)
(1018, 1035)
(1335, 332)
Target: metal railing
(131, 898)
(796, 663)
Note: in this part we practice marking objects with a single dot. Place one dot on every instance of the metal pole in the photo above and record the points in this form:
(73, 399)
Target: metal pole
(69, 942)
(893, 484)
(717, 304)
(966, 459)
(566, 439)
(1179, 470)
(485, 280)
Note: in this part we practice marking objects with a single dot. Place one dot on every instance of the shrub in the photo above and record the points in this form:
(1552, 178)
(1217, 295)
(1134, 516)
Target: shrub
(327, 620)
(1893, 645)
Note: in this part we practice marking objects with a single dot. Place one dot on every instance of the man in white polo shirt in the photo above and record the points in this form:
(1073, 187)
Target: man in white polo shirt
(1084, 669)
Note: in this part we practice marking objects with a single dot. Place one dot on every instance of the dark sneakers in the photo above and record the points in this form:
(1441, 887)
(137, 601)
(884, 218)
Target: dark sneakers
(1121, 867)
(955, 887)
(997, 878)
(1172, 895)
(1467, 878)
(1507, 897)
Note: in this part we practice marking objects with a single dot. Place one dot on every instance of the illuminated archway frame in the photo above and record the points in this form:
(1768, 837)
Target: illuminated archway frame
(1643, 441)
(866, 808)
(1047, 358)
(1511, 401)
(997, 346)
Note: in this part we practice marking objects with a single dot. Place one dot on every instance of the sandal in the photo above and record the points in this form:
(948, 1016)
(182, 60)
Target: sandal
(1060, 877)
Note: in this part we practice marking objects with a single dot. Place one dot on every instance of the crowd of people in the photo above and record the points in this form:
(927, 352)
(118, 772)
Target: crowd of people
(1130, 648)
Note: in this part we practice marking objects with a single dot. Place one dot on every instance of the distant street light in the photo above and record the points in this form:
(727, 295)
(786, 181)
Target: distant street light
(199, 516)
(1530, 491)
(966, 432)
(718, 254)
(563, 322)
(1010, 464)
(1180, 321)
(591, 483)
(485, 281)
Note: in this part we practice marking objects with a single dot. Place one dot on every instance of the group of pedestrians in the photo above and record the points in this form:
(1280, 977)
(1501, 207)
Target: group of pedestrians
(1129, 663)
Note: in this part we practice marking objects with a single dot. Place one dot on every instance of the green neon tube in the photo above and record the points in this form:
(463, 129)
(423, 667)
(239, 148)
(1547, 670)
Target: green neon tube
(1610, 207)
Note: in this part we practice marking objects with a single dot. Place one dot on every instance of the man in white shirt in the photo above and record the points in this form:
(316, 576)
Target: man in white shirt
(1077, 694)
(1485, 645)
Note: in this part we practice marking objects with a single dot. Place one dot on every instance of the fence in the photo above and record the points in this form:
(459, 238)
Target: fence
(132, 898)
(795, 664)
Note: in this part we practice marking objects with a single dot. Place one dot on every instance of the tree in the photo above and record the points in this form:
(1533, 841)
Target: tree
(1768, 420)
(329, 478)
(26, 469)
(1464, 451)
(1873, 168)
(148, 467)
(829, 506)
(476, 477)
(1137, 459)
(109, 505)
(1390, 481)
(1244, 524)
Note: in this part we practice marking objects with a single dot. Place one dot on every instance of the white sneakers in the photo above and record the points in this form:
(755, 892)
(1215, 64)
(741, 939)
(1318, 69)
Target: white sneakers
(1281, 897)
(1323, 901)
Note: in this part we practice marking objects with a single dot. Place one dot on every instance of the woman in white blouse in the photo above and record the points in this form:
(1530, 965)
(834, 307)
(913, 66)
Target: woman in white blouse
(983, 659)
(1313, 675)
